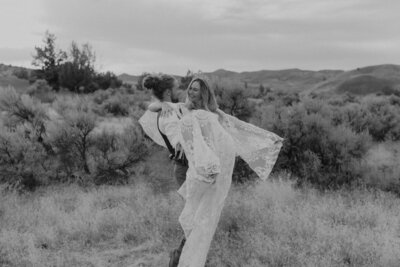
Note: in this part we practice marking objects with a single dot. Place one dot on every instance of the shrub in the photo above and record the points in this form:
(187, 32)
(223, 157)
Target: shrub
(42, 91)
(23, 161)
(381, 167)
(315, 149)
(71, 137)
(107, 80)
(118, 102)
(232, 99)
(100, 96)
(116, 106)
(383, 120)
(242, 173)
(115, 154)
(377, 115)
(21, 73)
(22, 109)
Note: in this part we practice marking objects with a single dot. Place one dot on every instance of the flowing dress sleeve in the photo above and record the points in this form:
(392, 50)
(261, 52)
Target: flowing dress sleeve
(197, 142)
(259, 148)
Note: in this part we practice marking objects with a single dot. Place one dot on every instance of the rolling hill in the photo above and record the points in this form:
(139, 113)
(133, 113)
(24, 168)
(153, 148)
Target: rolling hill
(378, 79)
(289, 79)
(127, 78)
(7, 77)
(384, 79)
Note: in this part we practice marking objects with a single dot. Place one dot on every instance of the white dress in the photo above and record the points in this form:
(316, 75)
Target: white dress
(211, 142)
(210, 150)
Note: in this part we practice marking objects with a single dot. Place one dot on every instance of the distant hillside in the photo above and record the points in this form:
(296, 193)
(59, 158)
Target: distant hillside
(379, 79)
(367, 84)
(8, 77)
(127, 78)
(372, 79)
(289, 79)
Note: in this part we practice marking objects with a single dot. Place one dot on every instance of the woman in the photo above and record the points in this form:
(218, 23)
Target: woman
(211, 155)
(211, 140)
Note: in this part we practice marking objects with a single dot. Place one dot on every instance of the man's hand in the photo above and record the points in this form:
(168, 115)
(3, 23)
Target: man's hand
(178, 151)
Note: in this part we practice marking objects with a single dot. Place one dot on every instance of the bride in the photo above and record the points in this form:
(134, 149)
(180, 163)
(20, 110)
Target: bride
(211, 140)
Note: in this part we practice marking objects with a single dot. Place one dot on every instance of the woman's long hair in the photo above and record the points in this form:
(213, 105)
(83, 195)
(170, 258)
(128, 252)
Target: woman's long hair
(208, 99)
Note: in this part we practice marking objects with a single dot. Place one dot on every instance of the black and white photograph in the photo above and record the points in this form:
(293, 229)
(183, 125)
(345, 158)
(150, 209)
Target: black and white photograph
(199, 133)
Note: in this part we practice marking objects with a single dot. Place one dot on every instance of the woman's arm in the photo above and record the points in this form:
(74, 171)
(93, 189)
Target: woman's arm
(206, 162)
(155, 106)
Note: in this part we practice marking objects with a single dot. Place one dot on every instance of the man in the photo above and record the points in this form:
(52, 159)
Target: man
(161, 119)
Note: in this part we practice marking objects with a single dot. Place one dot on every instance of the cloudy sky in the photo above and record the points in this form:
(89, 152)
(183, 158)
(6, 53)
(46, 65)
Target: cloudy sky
(172, 36)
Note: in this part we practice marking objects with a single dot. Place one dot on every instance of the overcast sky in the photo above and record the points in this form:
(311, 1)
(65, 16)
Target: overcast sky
(172, 36)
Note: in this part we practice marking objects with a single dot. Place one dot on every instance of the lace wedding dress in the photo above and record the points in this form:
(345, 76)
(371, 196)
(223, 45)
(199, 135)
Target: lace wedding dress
(211, 142)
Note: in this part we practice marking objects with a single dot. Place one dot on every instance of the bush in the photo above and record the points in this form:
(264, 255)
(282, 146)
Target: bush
(315, 149)
(242, 173)
(381, 167)
(115, 154)
(21, 73)
(232, 99)
(23, 110)
(71, 137)
(383, 121)
(107, 80)
(24, 163)
(42, 91)
(116, 106)
(119, 102)
(376, 115)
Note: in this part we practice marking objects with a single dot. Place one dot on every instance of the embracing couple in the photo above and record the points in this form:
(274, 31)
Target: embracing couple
(204, 142)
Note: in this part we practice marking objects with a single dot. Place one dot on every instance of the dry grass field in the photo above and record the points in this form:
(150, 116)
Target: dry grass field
(267, 224)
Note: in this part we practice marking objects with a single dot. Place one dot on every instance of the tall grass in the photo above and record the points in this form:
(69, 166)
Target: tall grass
(266, 224)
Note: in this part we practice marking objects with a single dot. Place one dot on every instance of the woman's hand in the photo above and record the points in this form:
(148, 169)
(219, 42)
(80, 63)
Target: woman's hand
(188, 104)
(166, 110)
(155, 106)
(213, 176)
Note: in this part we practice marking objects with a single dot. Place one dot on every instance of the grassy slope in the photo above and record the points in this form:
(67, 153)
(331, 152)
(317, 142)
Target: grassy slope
(9, 80)
(289, 79)
(368, 79)
(270, 224)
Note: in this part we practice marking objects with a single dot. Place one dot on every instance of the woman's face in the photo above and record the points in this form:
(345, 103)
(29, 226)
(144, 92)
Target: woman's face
(194, 93)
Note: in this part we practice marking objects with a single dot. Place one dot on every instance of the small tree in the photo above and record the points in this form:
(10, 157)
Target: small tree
(72, 138)
(49, 59)
(107, 80)
(78, 74)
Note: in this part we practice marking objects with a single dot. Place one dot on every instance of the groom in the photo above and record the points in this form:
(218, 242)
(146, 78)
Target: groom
(180, 165)
(180, 161)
